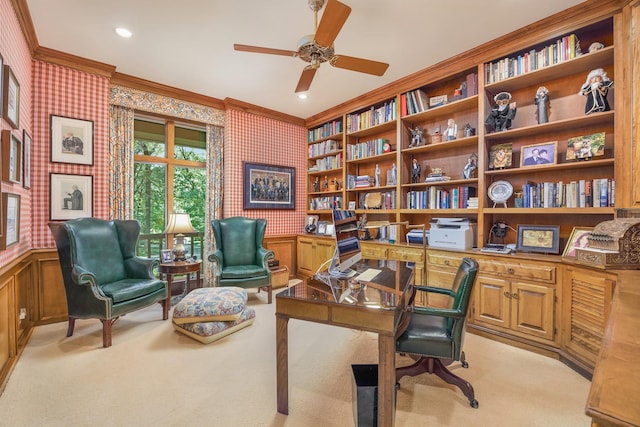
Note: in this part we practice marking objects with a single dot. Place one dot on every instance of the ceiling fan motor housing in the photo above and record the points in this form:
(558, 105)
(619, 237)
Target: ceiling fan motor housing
(310, 51)
(315, 5)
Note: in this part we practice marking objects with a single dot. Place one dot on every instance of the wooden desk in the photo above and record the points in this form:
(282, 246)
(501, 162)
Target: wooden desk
(377, 307)
(171, 269)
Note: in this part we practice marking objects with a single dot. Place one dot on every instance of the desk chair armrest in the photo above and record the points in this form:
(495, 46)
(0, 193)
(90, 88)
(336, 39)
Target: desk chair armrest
(442, 312)
(435, 290)
(141, 267)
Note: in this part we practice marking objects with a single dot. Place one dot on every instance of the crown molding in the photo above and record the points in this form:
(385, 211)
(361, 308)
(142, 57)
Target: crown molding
(235, 104)
(77, 62)
(26, 24)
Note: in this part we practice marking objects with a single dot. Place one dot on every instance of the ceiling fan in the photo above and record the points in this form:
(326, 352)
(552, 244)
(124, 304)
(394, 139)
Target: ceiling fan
(318, 48)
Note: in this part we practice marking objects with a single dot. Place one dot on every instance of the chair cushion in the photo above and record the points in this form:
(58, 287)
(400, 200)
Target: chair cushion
(426, 335)
(210, 304)
(242, 272)
(130, 289)
(208, 332)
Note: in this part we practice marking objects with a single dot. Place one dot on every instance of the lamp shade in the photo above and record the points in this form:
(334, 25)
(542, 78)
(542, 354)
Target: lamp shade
(179, 223)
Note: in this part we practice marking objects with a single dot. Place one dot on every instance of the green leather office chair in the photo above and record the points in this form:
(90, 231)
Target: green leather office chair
(434, 336)
(240, 258)
(103, 278)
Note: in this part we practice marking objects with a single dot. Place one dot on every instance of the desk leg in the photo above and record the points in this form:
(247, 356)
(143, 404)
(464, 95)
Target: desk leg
(386, 380)
(282, 364)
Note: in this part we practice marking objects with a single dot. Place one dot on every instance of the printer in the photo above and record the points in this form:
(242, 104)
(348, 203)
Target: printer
(452, 233)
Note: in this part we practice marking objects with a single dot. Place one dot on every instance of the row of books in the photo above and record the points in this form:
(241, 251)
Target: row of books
(328, 202)
(388, 200)
(325, 131)
(360, 181)
(565, 48)
(417, 101)
(372, 117)
(364, 149)
(584, 193)
(327, 163)
(441, 198)
(324, 147)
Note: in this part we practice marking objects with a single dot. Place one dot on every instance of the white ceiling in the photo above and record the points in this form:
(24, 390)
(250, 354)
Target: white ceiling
(188, 44)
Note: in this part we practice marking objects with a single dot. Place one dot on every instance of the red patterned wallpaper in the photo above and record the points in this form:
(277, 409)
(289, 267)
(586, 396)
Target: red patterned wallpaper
(15, 53)
(258, 139)
(70, 93)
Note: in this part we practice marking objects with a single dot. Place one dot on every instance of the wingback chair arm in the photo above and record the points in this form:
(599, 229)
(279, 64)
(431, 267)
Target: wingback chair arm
(141, 267)
(264, 255)
(80, 276)
(442, 312)
(216, 257)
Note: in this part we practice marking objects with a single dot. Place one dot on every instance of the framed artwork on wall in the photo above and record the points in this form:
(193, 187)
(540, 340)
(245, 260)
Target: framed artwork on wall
(71, 196)
(1, 84)
(10, 97)
(10, 220)
(268, 186)
(26, 159)
(11, 157)
(71, 140)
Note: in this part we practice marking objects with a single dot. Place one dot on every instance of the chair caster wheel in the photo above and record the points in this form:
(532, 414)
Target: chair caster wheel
(465, 364)
(473, 403)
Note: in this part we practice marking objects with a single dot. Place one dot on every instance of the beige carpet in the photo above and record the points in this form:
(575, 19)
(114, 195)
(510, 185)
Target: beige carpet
(154, 376)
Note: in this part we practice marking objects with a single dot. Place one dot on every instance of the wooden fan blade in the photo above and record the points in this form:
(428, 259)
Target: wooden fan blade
(267, 50)
(305, 79)
(358, 64)
(334, 16)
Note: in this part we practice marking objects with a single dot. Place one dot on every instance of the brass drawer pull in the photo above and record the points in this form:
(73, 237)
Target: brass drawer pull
(514, 295)
(507, 294)
(510, 270)
(446, 262)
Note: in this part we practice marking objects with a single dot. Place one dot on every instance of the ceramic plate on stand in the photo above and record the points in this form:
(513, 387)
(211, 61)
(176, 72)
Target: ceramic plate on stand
(499, 192)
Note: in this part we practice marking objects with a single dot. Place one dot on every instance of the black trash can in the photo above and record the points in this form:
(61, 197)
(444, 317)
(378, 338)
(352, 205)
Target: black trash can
(365, 395)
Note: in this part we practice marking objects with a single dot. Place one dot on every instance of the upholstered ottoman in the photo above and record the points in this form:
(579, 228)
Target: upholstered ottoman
(208, 314)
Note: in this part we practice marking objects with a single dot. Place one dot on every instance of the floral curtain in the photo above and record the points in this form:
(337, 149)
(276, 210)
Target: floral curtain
(120, 162)
(215, 184)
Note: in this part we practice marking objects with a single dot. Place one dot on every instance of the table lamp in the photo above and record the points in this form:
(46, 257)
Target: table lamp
(179, 223)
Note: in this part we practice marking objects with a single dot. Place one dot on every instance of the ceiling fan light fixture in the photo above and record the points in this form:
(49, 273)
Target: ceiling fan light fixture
(302, 96)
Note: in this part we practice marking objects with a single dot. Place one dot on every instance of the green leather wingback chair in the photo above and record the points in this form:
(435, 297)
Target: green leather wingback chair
(240, 258)
(103, 278)
(434, 336)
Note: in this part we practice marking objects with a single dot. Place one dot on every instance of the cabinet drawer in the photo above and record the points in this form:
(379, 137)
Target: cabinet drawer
(520, 270)
(374, 252)
(406, 254)
(444, 260)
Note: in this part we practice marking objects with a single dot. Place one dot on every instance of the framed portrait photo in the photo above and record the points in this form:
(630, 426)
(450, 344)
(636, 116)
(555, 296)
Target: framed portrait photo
(10, 220)
(10, 97)
(268, 186)
(165, 256)
(26, 159)
(11, 152)
(71, 196)
(322, 227)
(578, 239)
(539, 154)
(1, 84)
(538, 238)
(311, 224)
(71, 140)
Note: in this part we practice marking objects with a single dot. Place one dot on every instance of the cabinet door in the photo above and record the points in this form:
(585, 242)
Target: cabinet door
(305, 256)
(492, 301)
(532, 309)
(323, 252)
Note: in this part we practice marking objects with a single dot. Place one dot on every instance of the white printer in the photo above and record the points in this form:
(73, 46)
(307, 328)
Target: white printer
(452, 233)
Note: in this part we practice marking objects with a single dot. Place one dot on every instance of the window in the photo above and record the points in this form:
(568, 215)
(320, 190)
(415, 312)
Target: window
(169, 176)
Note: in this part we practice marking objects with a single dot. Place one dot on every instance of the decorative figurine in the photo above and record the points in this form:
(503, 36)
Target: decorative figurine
(595, 89)
(377, 176)
(451, 130)
(499, 118)
(595, 46)
(544, 107)
(416, 137)
(326, 184)
(394, 175)
(316, 185)
(415, 171)
(468, 130)
(470, 167)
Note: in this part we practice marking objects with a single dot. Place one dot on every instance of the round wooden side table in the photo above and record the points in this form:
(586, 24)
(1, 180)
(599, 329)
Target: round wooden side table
(170, 269)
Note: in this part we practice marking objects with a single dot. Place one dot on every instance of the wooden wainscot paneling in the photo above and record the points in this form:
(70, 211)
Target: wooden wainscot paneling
(49, 298)
(24, 302)
(285, 249)
(8, 350)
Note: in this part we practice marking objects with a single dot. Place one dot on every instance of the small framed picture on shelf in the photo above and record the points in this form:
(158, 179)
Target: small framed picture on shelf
(11, 157)
(578, 239)
(165, 255)
(538, 238)
(330, 230)
(500, 156)
(322, 227)
(585, 147)
(311, 224)
(352, 205)
(538, 154)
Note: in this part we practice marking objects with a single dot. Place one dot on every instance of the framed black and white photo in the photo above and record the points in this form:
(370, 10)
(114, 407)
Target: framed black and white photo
(165, 256)
(11, 152)
(71, 196)
(71, 140)
(26, 159)
(539, 154)
(538, 238)
(268, 186)
(10, 97)
(322, 227)
(1, 84)
(10, 220)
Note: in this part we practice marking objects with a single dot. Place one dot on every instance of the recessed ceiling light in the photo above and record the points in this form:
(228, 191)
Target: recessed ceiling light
(302, 96)
(123, 32)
